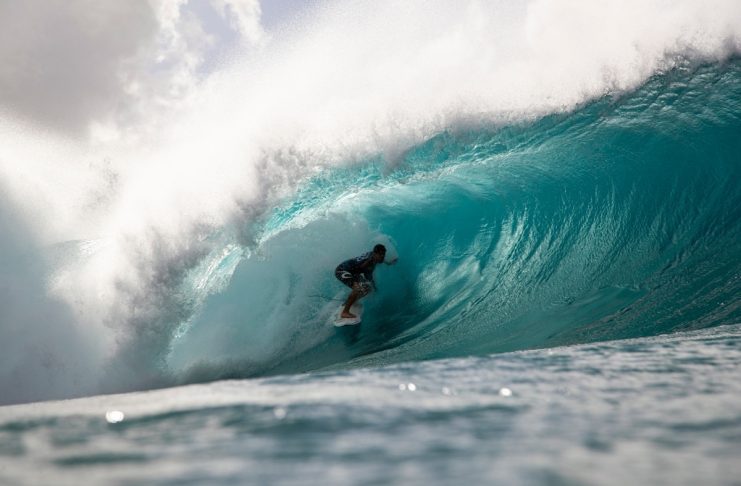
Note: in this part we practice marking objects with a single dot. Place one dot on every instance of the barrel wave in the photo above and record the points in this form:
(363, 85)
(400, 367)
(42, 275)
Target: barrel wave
(549, 173)
(620, 219)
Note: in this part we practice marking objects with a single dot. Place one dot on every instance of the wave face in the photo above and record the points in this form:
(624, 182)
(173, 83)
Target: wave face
(619, 220)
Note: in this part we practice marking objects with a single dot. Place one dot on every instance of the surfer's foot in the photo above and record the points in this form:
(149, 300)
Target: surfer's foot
(347, 315)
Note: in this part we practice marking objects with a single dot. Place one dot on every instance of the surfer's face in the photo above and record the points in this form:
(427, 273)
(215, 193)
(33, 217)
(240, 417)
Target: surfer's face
(379, 257)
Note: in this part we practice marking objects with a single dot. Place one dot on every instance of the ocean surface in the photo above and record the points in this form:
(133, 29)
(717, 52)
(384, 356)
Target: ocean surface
(652, 410)
(565, 309)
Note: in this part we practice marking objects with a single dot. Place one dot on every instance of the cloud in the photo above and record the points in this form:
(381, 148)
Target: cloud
(71, 65)
(63, 62)
(244, 16)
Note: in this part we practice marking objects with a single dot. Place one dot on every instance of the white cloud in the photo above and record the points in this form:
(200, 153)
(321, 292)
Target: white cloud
(243, 15)
(69, 65)
(63, 62)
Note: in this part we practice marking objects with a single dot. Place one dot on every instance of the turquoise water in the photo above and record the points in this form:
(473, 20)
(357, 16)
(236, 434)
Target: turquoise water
(654, 410)
(620, 220)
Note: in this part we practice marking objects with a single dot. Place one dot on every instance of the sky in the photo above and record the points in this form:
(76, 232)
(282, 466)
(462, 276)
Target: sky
(275, 12)
(84, 67)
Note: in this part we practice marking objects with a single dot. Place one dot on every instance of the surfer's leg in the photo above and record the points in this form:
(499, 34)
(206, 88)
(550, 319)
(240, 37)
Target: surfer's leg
(357, 292)
(346, 314)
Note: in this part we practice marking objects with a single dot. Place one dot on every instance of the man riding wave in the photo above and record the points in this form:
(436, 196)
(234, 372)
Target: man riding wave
(357, 273)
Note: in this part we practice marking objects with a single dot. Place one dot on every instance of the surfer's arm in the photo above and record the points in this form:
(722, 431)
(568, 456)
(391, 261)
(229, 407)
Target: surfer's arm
(368, 277)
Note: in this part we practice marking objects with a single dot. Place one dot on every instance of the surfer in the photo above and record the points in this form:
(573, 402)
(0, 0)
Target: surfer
(357, 273)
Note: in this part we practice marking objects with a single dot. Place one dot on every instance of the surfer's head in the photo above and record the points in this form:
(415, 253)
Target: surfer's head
(379, 253)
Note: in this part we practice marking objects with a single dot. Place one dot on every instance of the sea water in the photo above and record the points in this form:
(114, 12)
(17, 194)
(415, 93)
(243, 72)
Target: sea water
(661, 410)
(567, 299)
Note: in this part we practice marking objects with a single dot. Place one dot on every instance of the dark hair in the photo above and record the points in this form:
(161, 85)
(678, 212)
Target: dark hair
(379, 248)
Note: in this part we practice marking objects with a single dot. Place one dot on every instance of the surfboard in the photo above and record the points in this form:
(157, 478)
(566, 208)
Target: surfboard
(357, 309)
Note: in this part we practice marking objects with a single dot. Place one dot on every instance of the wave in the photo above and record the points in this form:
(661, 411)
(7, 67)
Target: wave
(619, 220)
(549, 173)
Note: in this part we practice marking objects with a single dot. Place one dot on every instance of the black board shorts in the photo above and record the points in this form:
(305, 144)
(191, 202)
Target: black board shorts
(348, 278)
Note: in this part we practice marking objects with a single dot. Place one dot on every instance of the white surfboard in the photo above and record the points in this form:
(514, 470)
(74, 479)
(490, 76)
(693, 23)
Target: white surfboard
(357, 309)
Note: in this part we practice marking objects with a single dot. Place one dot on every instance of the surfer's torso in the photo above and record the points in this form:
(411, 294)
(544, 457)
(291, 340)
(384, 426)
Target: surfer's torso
(362, 265)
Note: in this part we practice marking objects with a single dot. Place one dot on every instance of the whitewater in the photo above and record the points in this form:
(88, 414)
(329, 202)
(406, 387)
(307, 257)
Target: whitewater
(559, 180)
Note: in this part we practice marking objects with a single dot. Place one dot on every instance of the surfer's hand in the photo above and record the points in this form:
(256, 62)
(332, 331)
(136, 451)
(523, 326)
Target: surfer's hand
(392, 261)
